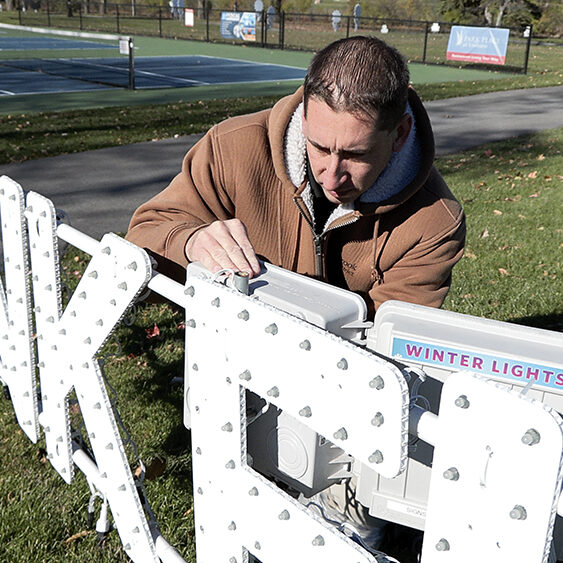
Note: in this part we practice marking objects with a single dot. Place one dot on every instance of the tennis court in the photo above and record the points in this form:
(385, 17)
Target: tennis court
(46, 64)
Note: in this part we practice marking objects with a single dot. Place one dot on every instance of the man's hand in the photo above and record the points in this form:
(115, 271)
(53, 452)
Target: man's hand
(223, 245)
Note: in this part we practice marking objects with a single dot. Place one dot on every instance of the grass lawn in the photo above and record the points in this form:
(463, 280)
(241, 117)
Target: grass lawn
(511, 271)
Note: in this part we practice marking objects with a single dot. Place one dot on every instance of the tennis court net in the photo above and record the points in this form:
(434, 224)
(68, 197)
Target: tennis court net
(91, 57)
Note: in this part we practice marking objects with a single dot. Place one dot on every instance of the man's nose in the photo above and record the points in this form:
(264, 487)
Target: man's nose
(334, 173)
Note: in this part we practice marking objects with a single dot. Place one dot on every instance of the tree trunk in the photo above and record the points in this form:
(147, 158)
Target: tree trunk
(501, 11)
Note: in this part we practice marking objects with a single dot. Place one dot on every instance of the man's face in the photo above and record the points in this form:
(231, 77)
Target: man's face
(347, 153)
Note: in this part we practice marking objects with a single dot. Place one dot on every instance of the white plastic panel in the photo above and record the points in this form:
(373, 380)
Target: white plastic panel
(235, 342)
(493, 493)
(67, 344)
(17, 356)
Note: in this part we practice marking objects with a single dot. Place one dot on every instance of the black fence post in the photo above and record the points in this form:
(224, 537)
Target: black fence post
(528, 45)
(117, 17)
(19, 13)
(80, 17)
(282, 30)
(48, 14)
(264, 31)
(160, 21)
(207, 13)
(425, 42)
(131, 64)
(347, 27)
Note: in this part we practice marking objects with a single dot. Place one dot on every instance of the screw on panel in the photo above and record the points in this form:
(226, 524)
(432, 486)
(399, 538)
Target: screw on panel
(88, 340)
(113, 302)
(531, 437)
(54, 347)
(227, 427)
(306, 412)
(109, 446)
(232, 559)
(462, 402)
(284, 515)
(342, 364)
(253, 492)
(305, 345)
(62, 331)
(121, 488)
(122, 286)
(190, 323)
(59, 439)
(376, 457)
(232, 526)
(136, 530)
(378, 419)
(245, 375)
(271, 329)
(127, 547)
(132, 266)
(244, 315)
(97, 406)
(198, 451)
(106, 250)
(443, 545)
(93, 274)
(451, 474)
(319, 540)
(216, 302)
(273, 392)
(51, 319)
(341, 434)
(377, 383)
(230, 464)
(82, 295)
(199, 491)
(49, 287)
(257, 545)
(100, 322)
(190, 291)
(195, 367)
(518, 513)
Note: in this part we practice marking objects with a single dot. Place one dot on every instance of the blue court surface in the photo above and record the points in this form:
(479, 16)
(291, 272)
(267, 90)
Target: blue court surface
(73, 75)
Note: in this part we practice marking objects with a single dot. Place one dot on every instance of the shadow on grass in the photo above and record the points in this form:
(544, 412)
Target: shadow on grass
(553, 321)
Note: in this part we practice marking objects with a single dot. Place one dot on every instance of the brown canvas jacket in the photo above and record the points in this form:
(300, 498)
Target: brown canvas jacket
(403, 248)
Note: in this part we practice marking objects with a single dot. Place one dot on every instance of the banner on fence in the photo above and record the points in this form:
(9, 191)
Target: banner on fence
(238, 25)
(477, 44)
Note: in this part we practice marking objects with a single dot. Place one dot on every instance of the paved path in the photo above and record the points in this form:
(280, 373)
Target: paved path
(100, 189)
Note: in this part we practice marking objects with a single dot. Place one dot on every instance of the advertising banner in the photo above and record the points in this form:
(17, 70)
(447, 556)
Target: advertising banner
(477, 44)
(238, 25)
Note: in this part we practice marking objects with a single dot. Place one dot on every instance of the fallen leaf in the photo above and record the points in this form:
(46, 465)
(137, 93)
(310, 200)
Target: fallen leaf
(541, 157)
(152, 332)
(77, 536)
(534, 195)
(489, 152)
(181, 326)
(503, 272)
(497, 212)
(485, 233)
(533, 174)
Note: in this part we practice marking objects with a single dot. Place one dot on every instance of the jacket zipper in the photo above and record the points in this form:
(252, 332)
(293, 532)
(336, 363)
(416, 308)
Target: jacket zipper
(318, 239)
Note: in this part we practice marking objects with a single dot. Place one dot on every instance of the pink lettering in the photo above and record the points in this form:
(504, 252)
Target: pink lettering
(517, 371)
(477, 363)
(559, 379)
(452, 356)
(415, 351)
(464, 360)
(494, 367)
(426, 353)
(532, 373)
(438, 355)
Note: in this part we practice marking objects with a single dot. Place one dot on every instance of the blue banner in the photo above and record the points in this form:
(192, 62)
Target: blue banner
(478, 44)
(238, 25)
(512, 369)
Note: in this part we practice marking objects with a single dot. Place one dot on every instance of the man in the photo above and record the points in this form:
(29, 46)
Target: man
(335, 181)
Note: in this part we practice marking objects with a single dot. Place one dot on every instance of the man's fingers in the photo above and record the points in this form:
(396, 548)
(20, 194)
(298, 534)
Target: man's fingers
(223, 245)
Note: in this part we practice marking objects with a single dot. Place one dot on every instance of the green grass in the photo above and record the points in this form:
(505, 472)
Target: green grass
(512, 193)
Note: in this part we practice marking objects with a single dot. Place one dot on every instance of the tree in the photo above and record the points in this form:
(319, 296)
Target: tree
(462, 11)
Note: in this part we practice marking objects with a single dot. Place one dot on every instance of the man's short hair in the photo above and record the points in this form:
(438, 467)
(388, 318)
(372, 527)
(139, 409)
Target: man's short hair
(363, 76)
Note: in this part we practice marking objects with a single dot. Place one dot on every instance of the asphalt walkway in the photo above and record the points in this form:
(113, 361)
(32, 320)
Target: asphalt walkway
(100, 189)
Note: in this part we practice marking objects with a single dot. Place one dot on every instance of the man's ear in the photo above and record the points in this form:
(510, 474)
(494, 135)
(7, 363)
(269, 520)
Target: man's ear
(402, 132)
